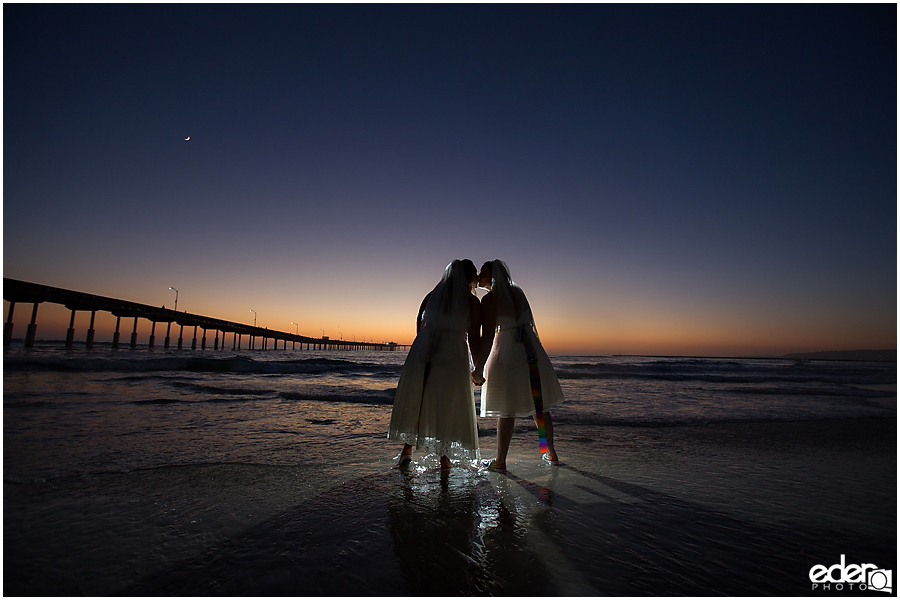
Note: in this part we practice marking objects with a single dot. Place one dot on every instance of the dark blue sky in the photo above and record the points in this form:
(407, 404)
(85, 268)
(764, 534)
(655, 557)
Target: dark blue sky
(679, 179)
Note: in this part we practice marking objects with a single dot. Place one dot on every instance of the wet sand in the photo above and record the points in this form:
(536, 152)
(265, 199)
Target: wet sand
(734, 509)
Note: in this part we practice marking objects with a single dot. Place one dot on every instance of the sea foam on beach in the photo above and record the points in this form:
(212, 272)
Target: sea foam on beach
(268, 473)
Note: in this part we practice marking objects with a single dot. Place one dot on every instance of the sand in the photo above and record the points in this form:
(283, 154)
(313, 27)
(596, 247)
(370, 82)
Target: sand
(733, 509)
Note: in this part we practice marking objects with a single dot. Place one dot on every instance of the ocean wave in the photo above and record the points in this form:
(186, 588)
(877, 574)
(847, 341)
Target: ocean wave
(731, 372)
(163, 401)
(229, 391)
(835, 392)
(353, 396)
(356, 397)
(661, 422)
(199, 364)
(197, 400)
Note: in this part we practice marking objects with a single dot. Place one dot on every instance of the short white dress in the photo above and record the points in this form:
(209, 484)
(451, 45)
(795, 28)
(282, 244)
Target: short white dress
(434, 407)
(507, 388)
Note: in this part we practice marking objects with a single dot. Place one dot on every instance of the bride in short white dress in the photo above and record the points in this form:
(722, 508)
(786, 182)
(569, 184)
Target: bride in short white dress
(515, 367)
(434, 407)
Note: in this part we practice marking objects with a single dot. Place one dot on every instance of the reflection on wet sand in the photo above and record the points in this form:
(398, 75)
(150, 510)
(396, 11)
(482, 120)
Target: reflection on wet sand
(477, 532)
(434, 520)
(534, 531)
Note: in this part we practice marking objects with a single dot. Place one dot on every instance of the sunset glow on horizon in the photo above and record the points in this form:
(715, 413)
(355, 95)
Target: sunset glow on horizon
(713, 180)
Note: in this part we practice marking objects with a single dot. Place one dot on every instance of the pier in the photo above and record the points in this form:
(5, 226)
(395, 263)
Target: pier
(22, 292)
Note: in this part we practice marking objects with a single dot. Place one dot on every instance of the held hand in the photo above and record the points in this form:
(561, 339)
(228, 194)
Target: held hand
(477, 379)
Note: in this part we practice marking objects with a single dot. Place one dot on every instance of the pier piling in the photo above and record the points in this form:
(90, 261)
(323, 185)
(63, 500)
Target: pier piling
(8, 329)
(70, 333)
(32, 328)
(115, 342)
(89, 342)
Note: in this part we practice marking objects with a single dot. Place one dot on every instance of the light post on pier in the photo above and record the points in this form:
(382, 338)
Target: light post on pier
(176, 298)
(297, 333)
(254, 317)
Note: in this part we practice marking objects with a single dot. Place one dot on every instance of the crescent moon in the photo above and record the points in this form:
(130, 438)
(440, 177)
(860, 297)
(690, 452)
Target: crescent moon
(187, 139)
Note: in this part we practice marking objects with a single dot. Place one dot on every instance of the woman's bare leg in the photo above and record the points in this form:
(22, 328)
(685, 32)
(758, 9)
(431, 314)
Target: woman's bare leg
(505, 427)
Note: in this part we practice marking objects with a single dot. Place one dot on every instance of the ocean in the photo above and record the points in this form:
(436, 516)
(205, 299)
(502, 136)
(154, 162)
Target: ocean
(195, 472)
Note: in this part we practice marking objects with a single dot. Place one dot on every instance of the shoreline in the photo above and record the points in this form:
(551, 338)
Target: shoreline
(827, 355)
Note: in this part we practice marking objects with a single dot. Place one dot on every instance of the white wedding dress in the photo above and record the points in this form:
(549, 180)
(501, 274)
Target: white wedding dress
(516, 351)
(434, 407)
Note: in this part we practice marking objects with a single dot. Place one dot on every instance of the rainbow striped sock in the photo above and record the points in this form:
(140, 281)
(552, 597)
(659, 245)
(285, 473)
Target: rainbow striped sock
(542, 432)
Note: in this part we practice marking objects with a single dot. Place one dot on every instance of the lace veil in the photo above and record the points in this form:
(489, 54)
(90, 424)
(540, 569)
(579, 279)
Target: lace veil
(509, 299)
(448, 304)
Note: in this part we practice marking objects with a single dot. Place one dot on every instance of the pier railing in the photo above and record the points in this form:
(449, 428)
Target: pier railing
(23, 292)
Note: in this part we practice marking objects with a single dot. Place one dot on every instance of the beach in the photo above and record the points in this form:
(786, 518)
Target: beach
(676, 507)
(710, 510)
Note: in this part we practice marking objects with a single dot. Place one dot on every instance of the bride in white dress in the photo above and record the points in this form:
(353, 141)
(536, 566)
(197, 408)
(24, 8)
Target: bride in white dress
(518, 378)
(434, 407)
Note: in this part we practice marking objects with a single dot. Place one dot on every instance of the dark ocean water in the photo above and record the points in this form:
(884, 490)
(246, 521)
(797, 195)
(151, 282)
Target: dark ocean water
(81, 411)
